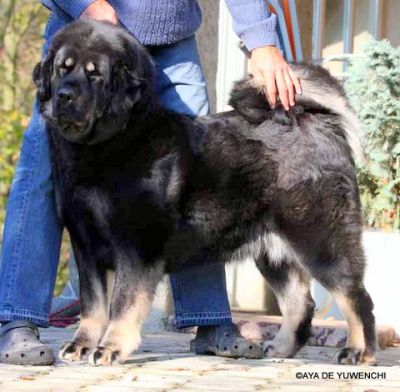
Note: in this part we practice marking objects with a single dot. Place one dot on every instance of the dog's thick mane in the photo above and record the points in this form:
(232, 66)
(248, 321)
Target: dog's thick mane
(321, 93)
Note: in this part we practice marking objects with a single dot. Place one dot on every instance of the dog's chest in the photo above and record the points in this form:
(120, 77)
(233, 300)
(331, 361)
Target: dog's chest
(124, 195)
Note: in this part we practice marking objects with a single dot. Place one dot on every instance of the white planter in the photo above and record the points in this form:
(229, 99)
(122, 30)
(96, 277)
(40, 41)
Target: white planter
(382, 276)
(246, 287)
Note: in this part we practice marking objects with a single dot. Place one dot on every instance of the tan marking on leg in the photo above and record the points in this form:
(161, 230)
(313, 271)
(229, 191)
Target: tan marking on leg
(355, 334)
(86, 337)
(126, 331)
(93, 325)
(122, 335)
(292, 304)
(90, 331)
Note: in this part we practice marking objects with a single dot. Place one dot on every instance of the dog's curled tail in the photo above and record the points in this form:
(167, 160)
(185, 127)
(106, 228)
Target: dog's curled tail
(321, 92)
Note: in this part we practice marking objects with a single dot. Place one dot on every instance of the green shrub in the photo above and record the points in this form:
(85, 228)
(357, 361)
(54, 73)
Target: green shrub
(373, 87)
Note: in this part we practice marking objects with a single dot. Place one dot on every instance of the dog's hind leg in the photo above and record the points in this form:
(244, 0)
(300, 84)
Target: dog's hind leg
(357, 307)
(292, 289)
(94, 309)
(131, 301)
(344, 278)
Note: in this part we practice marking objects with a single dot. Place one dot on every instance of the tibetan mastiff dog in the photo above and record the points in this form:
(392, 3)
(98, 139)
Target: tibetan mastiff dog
(144, 190)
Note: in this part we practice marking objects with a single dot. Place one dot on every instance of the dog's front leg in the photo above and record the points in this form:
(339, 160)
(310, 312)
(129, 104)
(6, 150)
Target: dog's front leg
(94, 308)
(135, 285)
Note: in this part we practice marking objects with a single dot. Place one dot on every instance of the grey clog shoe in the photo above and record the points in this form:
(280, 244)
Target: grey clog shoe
(224, 341)
(20, 345)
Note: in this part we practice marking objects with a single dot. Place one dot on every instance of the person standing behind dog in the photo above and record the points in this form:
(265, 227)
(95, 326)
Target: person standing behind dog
(32, 233)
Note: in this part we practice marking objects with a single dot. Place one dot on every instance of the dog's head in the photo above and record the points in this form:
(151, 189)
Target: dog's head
(93, 79)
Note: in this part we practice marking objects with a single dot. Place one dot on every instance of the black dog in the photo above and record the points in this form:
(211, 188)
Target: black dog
(145, 190)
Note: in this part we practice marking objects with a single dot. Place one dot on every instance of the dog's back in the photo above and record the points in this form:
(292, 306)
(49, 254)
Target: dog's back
(270, 159)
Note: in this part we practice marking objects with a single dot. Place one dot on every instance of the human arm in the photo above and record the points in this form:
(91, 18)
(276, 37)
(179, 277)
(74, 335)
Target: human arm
(271, 71)
(88, 9)
(256, 27)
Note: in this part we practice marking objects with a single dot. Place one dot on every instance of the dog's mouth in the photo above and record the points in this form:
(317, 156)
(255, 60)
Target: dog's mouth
(66, 124)
(73, 130)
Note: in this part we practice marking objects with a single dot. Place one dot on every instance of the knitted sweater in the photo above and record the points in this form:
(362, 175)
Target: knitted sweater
(160, 22)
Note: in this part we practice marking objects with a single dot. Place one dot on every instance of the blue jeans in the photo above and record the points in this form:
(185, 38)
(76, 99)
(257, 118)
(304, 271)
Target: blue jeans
(32, 232)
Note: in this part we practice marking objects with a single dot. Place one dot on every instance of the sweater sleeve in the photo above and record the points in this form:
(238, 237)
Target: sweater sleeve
(253, 22)
(73, 8)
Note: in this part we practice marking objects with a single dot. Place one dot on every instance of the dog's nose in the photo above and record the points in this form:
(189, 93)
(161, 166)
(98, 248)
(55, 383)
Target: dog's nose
(66, 94)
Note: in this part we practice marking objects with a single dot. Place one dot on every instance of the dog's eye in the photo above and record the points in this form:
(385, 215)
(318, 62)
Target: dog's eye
(92, 71)
(66, 66)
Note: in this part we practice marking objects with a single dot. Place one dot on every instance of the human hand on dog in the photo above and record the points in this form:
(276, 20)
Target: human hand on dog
(271, 71)
(100, 10)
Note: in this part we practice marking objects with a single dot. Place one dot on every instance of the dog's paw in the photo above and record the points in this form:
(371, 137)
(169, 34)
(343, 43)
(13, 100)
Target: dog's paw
(105, 356)
(349, 356)
(71, 351)
(278, 349)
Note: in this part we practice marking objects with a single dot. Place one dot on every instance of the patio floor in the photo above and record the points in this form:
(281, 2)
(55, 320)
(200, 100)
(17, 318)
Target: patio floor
(165, 364)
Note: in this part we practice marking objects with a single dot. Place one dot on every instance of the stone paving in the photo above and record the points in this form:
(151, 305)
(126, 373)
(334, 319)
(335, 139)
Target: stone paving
(165, 364)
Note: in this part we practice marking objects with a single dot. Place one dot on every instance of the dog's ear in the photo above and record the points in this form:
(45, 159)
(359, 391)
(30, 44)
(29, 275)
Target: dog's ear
(132, 82)
(126, 88)
(42, 74)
